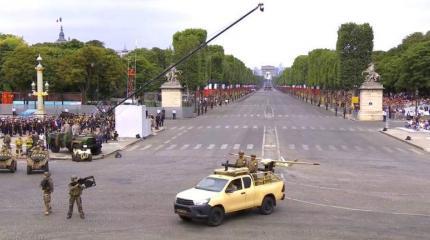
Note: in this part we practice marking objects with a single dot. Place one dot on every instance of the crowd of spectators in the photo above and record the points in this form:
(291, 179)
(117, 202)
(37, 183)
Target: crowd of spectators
(402, 106)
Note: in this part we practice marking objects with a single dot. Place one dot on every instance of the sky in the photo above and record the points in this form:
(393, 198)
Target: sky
(285, 30)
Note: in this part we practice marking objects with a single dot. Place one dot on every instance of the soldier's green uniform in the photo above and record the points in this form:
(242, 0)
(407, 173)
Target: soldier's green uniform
(241, 162)
(253, 164)
(7, 139)
(75, 191)
(47, 186)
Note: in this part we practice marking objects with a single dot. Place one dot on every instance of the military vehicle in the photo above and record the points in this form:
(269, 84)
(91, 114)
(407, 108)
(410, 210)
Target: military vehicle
(80, 154)
(232, 189)
(38, 160)
(7, 160)
(59, 140)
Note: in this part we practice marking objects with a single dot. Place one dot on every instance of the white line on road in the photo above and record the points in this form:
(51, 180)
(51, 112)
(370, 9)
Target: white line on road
(173, 127)
(372, 148)
(197, 146)
(211, 146)
(352, 129)
(159, 147)
(332, 147)
(401, 150)
(132, 148)
(358, 148)
(146, 147)
(255, 126)
(292, 146)
(318, 147)
(224, 146)
(312, 127)
(415, 151)
(293, 127)
(200, 127)
(305, 147)
(246, 126)
(387, 149)
(181, 128)
(209, 126)
(185, 146)
(235, 126)
(217, 126)
(190, 128)
(227, 126)
(344, 147)
(236, 146)
(322, 128)
(250, 146)
(284, 127)
(171, 147)
(303, 127)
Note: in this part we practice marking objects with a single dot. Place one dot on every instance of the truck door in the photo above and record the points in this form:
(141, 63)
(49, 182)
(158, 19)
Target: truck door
(249, 191)
(234, 196)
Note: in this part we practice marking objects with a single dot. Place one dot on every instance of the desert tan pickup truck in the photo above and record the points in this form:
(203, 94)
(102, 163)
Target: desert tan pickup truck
(230, 190)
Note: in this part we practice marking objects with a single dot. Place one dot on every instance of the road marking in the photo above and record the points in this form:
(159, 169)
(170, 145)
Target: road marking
(318, 147)
(415, 151)
(171, 147)
(217, 126)
(360, 129)
(252, 115)
(190, 128)
(370, 130)
(286, 116)
(372, 148)
(292, 146)
(279, 115)
(358, 148)
(173, 127)
(303, 127)
(224, 146)
(342, 129)
(245, 115)
(168, 141)
(305, 147)
(312, 127)
(258, 115)
(293, 127)
(332, 129)
(322, 128)
(227, 126)
(211, 146)
(332, 147)
(284, 127)
(250, 146)
(159, 147)
(181, 128)
(352, 129)
(235, 126)
(255, 126)
(401, 150)
(132, 148)
(185, 146)
(197, 146)
(146, 147)
(236, 146)
(344, 147)
(200, 127)
(387, 149)
(209, 126)
(246, 126)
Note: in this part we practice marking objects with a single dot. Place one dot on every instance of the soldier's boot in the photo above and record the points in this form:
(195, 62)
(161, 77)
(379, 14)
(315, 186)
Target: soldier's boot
(69, 216)
(82, 215)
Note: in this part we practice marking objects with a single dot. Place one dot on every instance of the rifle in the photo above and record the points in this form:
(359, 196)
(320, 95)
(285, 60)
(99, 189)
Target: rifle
(88, 182)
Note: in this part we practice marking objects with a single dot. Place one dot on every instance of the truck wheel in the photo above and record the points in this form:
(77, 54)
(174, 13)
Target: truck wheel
(216, 216)
(13, 167)
(96, 151)
(47, 167)
(185, 218)
(28, 170)
(90, 158)
(267, 205)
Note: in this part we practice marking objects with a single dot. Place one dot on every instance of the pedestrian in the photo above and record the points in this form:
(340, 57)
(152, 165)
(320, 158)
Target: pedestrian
(163, 116)
(157, 121)
(47, 186)
(75, 191)
(384, 115)
(174, 113)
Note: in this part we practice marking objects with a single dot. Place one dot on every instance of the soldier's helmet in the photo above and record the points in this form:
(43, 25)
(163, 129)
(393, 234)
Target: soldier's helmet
(253, 156)
(74, 178)
(47, 174)
(241, 153)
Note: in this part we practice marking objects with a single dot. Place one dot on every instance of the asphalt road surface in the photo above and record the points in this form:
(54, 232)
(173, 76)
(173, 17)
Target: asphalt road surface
(368, 186)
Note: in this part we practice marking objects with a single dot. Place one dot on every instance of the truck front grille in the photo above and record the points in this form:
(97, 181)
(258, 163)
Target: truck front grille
(184, 201)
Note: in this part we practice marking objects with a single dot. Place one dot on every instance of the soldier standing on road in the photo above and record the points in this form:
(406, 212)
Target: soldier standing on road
(75, 191)
(47, 186)
(7, 139)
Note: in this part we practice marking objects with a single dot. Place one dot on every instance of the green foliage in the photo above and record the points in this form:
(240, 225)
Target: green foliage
(354, 46)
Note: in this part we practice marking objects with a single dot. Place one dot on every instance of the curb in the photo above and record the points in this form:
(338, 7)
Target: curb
(405, 141)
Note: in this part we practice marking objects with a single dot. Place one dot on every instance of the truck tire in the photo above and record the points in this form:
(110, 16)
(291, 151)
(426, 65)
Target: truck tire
(13, 167)
(46, 167)
(267, 206)
(216, 216)
(185, 218)
(28, 170)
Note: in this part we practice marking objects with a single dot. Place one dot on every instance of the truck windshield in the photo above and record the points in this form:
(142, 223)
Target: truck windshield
(212, 184)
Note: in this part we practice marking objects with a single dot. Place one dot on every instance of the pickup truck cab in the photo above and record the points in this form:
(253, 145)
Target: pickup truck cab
(229, 190)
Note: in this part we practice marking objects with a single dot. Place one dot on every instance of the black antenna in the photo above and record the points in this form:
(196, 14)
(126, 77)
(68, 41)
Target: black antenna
(259, 6)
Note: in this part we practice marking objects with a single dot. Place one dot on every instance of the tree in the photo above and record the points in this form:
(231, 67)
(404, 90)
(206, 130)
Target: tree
(415, 71)
(354, 46)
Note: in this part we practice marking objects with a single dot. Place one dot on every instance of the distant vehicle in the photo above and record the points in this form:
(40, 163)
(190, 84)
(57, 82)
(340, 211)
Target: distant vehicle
(7, 160)
(38, 160)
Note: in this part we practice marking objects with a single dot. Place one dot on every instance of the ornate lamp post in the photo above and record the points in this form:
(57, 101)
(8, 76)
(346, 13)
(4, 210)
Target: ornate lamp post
(39, 86)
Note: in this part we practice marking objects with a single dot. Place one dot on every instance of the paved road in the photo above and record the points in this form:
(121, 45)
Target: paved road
(369, 186)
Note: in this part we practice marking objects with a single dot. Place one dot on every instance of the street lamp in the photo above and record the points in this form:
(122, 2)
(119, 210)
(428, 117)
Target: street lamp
(38, 88)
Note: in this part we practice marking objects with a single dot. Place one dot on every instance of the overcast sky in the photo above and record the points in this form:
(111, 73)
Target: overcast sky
(286, 29)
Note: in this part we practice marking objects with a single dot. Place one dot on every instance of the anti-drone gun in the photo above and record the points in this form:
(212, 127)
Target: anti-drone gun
(88, 182)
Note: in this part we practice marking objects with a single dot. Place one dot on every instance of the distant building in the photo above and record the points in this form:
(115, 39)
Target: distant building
(268, 70)
(61, 38)
(122, 52)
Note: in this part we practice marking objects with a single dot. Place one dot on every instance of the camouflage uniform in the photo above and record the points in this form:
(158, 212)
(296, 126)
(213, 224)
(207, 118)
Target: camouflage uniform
(75, 191)
(253, 164)
(241, 162)
(18, 144)
(47, 186)
(7, 140)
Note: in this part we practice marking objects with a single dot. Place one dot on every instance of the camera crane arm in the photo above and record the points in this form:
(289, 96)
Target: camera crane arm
(184, 58)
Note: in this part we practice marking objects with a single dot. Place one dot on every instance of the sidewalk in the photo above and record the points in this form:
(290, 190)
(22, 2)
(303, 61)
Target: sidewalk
(419, 140)
(108, 149)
